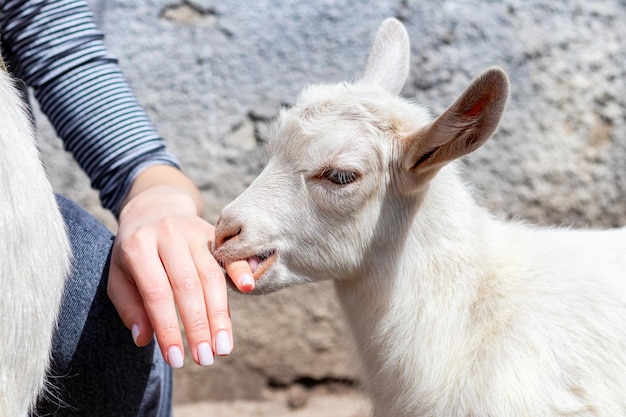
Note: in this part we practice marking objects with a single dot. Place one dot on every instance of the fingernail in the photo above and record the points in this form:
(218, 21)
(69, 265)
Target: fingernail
(222, 343)
(205, 354)
(247, 282)
(175, 357)
(135, 332)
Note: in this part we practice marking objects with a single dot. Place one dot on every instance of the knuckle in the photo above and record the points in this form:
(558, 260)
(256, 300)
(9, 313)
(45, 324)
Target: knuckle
(167, 330)
(125, 311)
(198, 325)
(219, 315)
(213, 275)
(187, 282)
(128, 313)
(133, 245)
(169, 226)
(155, 294)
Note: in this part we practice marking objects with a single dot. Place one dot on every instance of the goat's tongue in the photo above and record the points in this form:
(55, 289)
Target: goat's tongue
(254, 263)
(257, 260)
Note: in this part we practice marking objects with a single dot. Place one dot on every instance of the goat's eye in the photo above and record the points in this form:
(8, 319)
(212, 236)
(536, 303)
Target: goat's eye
(340, 177)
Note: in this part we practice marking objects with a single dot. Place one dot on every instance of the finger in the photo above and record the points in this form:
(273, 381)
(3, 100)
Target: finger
(240, 273)
(159, 303)
(216, 298)
(152, 283)
(188, 293)
(129, 305)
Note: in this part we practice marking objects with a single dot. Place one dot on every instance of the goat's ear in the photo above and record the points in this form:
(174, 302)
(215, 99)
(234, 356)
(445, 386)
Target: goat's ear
(388, 60)
(462, 128)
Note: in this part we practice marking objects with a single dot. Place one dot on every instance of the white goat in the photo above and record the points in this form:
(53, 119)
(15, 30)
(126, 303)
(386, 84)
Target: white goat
(454, 312)
(34, 259)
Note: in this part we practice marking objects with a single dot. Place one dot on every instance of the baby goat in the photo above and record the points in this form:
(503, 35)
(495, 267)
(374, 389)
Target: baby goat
(454, 312)
(34, 259)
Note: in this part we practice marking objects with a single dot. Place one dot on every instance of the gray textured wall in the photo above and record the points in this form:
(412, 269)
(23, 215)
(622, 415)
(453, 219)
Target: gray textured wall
(210, 72)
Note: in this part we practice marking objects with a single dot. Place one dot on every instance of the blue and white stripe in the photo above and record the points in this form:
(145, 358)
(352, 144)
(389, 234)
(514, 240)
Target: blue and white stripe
(55, 47)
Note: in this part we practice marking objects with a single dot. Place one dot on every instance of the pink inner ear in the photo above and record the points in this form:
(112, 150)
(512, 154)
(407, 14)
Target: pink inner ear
(478, 106)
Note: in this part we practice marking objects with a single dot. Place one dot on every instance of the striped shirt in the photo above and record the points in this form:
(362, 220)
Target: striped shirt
(55, 47)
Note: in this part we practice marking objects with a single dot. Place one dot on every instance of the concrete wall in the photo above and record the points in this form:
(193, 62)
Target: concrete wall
(211, 72)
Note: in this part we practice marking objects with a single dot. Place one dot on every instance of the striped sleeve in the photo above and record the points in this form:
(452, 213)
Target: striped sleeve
(56, 48)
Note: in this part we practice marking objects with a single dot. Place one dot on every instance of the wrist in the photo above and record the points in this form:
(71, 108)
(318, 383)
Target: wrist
(164, 182)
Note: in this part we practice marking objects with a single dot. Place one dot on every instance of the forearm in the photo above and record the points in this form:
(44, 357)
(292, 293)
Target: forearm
(60, 53)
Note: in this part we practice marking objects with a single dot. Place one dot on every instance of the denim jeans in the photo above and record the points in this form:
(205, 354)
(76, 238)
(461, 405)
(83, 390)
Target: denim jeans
(96, 368)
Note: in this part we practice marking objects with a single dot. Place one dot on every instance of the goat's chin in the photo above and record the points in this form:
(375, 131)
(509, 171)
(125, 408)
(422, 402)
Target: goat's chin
(277, 278)
(258, 289)
(262, 287)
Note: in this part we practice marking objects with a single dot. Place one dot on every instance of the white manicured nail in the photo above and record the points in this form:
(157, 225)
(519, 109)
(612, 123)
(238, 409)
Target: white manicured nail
(205, 354)
(135, 332)
(222, 342)
(175, 357)
(247, 281)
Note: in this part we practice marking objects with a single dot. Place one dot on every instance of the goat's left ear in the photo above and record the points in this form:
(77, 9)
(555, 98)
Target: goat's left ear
(462, 128)
(388, 60)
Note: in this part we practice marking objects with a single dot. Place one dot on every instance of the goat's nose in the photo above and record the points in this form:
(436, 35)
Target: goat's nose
(225, 230)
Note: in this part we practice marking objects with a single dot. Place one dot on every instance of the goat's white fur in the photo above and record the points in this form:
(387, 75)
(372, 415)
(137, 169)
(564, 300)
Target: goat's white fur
(454, 312)
(34, 259)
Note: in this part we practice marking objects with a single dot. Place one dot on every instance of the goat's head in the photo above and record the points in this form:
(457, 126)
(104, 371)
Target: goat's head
(336, 156)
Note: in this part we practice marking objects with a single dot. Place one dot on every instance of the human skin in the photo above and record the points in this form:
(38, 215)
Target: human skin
(161, 262)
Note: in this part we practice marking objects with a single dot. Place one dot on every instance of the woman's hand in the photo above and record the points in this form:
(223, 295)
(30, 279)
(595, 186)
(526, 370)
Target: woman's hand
(161, 262)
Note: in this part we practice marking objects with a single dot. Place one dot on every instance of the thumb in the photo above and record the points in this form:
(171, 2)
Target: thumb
(129, 305)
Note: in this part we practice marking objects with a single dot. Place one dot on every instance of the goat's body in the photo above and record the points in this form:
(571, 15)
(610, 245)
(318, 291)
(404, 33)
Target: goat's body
(455, 313)
(498, 328)
(34, 259)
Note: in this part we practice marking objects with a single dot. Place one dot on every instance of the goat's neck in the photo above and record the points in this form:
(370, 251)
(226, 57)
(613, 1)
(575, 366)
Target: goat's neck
(416, 280)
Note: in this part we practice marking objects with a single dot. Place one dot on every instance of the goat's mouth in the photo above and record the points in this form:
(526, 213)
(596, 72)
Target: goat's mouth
(260, 263)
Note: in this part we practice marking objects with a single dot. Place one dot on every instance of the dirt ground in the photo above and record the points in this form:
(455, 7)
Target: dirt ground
(292, 403)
